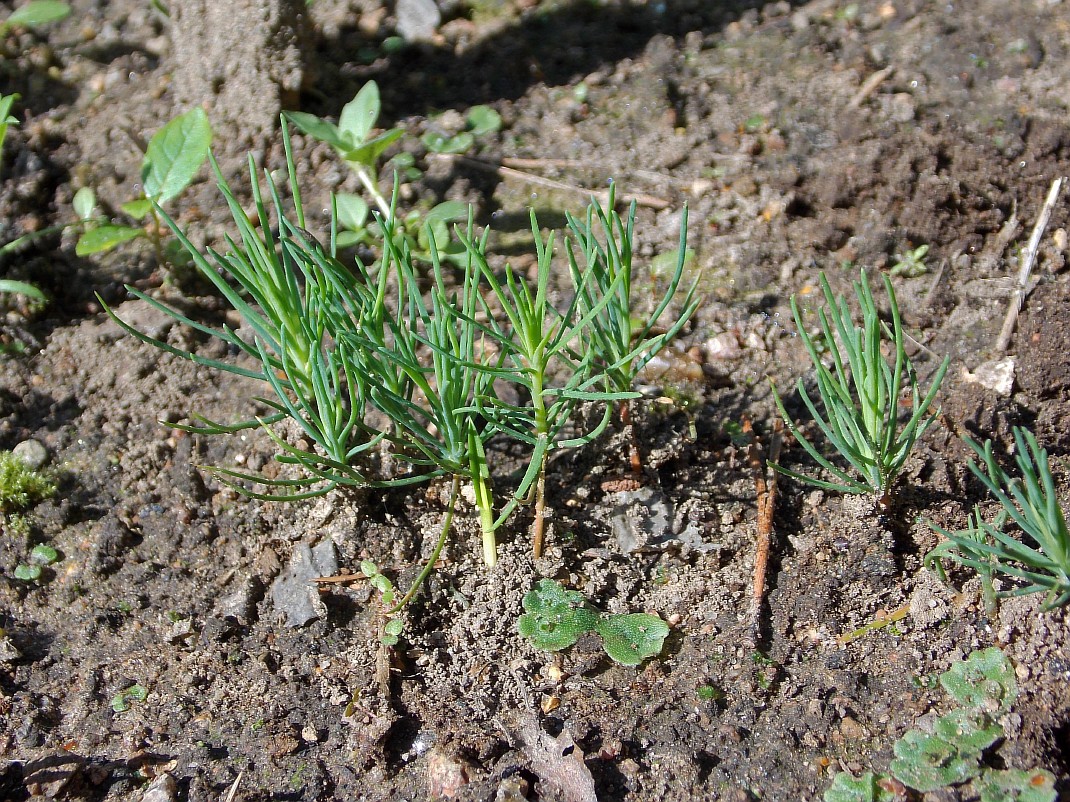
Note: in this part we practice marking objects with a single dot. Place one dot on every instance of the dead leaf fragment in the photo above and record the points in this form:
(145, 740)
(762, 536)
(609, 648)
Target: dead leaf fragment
(558, 761)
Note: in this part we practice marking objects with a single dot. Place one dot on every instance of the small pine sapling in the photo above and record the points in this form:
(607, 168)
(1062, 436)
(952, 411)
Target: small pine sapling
(860, 394)
(621, 342)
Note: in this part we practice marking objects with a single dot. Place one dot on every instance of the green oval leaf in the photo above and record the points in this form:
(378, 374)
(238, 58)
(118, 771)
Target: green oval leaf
(43, 554)
(137, 209)
(175, 154)
(104, 238)
(369, 152)
(555, 617)
(85, 201)
(631, 639)
(27, 573)
(985, 680)
(320, 129)
(927, 763)
(483, 120)
(39, 12)
(440, 143)
(352, 211)
(359, 115)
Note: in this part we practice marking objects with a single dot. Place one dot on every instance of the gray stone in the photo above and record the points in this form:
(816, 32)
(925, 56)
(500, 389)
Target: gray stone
(294, 593)
(32, 453)
(417, 19)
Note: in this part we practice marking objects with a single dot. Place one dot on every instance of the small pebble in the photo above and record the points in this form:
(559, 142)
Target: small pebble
(32, 453)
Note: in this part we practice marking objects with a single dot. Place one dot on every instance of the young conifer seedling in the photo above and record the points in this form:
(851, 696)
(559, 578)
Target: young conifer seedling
(1032, 504)
(860, 392)
(621, 342)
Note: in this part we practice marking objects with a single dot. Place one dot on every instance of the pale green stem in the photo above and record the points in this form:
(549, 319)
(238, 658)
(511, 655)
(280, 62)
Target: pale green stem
(455, 491)
(486, 518)
(366, 179)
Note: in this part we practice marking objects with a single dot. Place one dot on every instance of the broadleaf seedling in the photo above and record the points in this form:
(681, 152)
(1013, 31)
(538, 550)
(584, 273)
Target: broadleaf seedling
(953, 752)
(984, 682)
(120, 703)
(556, 618)
(172, 159)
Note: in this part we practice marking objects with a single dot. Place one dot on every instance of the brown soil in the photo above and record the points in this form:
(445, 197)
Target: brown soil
(765, 120)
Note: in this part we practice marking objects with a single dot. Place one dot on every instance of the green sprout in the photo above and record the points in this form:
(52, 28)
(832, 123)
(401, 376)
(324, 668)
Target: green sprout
(1030, 502)
(910, 263)
(481, 120)
(621, 342)
(952, 754)
(556, 618)
(860, 394)
(172, 159)
(6, 117)
(392, 375)
(392, 627)
(33, 15)
(354, 138)
(41, 556)
(120, 703)
(536, 342)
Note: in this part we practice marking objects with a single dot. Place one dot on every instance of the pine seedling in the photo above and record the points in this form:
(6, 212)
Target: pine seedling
(536, 342)
(1030, 502)
(860, 394)
(299, 304)
(621, 342)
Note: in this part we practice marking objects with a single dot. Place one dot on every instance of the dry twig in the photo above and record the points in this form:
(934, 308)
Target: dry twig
(766, 490)
(1029, 257)
(602, 196)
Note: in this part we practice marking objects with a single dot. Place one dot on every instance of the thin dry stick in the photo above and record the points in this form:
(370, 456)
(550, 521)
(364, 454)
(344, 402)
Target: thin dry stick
(1028, 258)
(766, 507)
(635, 458)
(869, 86)
(649, 201)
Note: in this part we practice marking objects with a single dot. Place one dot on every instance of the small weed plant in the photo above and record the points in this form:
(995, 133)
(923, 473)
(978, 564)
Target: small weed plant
(337, 347)
(953, 753)
(172, 159)
(361, 146)
(1042, 562)
(910, 263)
(555, 619)
(860, 393)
